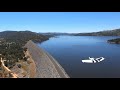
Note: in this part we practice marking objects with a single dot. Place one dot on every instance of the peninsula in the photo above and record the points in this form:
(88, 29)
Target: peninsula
(114, 41)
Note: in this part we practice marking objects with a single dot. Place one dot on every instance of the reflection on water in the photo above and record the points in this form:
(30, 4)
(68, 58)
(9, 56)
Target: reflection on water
(70, 50)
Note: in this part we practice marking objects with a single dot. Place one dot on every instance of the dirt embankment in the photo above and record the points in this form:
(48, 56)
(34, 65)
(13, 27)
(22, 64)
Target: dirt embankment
(32, 66)
(5, 71)
(46, 65)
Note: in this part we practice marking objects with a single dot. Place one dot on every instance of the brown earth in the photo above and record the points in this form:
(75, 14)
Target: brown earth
(28, 68)
(32, 66)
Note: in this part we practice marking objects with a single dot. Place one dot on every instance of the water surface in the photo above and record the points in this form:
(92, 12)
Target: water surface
(70, 50)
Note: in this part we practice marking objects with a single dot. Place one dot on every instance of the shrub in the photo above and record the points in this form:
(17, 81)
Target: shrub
(19, 65)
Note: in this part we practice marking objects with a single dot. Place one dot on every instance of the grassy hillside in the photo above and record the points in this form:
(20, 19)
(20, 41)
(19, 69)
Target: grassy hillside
(22, 36)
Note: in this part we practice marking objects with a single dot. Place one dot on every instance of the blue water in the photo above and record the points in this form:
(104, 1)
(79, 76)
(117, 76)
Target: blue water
(70, 50)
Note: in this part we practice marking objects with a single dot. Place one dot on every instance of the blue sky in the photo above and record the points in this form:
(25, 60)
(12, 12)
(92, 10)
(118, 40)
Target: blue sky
(71, 22)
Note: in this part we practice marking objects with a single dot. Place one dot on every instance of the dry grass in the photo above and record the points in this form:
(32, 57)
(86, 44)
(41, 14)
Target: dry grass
(28, 68)
(21, 72)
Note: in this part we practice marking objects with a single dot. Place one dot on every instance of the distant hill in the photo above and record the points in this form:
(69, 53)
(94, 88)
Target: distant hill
(115, 32)
(55, 34)
(22, 36)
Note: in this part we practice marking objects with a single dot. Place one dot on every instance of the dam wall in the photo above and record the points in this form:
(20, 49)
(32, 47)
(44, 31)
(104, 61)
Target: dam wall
(46, 65)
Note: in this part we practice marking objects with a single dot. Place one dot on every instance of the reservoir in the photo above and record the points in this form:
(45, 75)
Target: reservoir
(69, 51)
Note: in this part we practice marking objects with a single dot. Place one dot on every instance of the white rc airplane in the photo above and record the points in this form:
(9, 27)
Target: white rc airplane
(93, 60)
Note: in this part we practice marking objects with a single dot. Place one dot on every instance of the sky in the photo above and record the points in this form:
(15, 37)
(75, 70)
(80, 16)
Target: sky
(70, 22)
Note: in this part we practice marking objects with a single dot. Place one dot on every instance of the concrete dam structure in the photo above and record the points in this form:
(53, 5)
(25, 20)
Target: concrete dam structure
(46, 65)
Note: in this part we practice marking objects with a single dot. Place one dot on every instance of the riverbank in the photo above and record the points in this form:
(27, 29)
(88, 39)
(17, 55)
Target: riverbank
(46, 65)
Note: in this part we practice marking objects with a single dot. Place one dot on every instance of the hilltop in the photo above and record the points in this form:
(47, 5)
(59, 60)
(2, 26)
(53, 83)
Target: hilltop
(22, 36)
